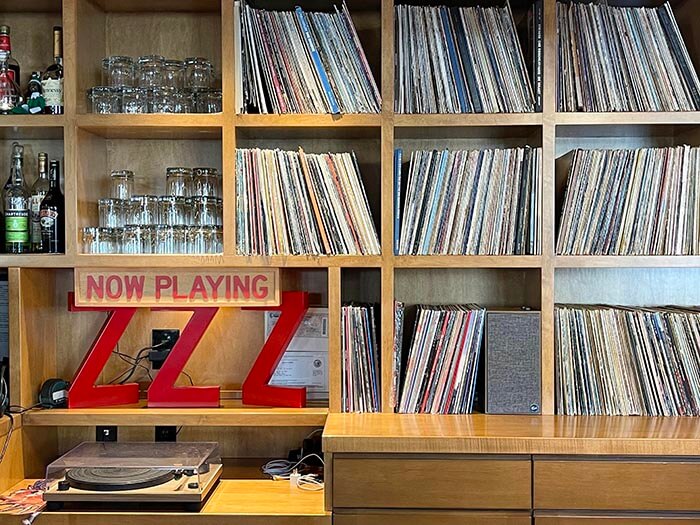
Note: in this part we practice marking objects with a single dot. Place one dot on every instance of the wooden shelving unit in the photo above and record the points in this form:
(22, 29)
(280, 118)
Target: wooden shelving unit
(47, 341)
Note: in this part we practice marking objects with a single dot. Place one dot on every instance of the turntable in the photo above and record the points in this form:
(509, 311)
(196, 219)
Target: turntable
(110, 473)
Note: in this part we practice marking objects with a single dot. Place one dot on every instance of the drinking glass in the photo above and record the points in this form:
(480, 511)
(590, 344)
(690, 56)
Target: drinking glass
(104, 100)
(122, 184)
(174, 74)
(172, 211)
(204, 211)
(134, 100)
(206, 182)
(198, 73)
(99, 241)
(119, 71)
(178, 181)
(163, 100)
(208, 101)
(143, 210)
(111, 212)
(149, 71)
(131, 240)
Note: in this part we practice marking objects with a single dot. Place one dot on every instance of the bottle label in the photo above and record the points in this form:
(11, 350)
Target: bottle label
(53, 91)
(17, 226)
(35, 205)
(48, 219)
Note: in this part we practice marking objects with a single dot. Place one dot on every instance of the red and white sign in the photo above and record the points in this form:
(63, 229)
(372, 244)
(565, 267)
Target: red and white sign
(182, 287)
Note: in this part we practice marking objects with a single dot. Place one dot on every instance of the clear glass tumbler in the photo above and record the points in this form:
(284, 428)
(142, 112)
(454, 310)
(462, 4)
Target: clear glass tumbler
(119, 71)
(206, 182)
(122, 184)
(149, 71)
(143, 210)
(174, 74)
(134, 100)
(198, 73)
(178, 182)
(172, 211)
(112, 212)
(104, 100)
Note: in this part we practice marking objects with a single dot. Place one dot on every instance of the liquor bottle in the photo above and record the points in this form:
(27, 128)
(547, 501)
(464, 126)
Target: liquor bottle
(17, 153)
(52, 80)
(16, 212)
(53, 216)
(6, 45)
(9, 90)
(39, 190)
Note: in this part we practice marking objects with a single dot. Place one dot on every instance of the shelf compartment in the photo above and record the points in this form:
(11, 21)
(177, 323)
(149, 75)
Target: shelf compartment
(175, 30)
(165, 126)
(468, 261)
(231, 414)
(245, 501)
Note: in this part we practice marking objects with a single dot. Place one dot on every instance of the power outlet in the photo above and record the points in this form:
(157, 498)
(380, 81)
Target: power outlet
(162, 341)
(105, 434)
(166, 434)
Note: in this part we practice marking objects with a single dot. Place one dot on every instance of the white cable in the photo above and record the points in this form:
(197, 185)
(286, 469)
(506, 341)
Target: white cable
(282, 468)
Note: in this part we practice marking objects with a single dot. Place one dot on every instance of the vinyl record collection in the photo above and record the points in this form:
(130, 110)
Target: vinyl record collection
(627, 361)
(632, 202)
(297, 203)
(477, 202)
(623, 59)
(443, 359)
(460, 60)
(360, 374)
(301, 62)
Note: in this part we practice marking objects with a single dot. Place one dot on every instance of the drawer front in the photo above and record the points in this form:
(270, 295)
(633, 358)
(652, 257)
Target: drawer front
(624, 484)
(431, 483)
(418, 517)
(617, 520)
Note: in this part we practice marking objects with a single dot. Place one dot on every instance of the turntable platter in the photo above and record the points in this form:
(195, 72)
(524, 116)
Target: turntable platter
(103, 479)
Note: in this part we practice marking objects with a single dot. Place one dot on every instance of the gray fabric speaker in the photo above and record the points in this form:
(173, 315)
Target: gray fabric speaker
(512, 363)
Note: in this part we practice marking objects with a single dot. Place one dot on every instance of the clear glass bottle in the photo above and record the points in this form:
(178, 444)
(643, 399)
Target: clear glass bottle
(53, 213)
(16, 213)
(52, 80)
(9, 90)
(39, 190)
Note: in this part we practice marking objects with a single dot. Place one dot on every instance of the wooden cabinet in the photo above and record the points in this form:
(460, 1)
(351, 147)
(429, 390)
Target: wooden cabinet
(414, 517)
(429, 482)
(648, 484)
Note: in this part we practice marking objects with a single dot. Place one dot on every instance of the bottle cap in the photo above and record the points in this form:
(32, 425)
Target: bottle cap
(5, 30)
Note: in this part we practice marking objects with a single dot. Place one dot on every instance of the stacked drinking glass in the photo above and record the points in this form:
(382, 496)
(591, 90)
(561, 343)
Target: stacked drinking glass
(152, 84)
(186, 220)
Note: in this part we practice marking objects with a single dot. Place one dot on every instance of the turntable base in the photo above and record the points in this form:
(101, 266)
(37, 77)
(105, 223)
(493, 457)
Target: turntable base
(135, 486)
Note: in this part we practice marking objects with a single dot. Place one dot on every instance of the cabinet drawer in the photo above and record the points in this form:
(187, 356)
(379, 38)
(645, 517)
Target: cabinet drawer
(639, 519)
(617, 484)
(432, 483)
(421, 517)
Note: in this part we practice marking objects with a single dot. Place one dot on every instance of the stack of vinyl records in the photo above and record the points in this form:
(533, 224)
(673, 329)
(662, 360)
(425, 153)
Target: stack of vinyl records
(360, 374)
(443, 360)
(627, 361)
(397, 351)
(478, 202)
(460, 60)
(623, 59)
(632, 202)
(301, 62)
(294, 203)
